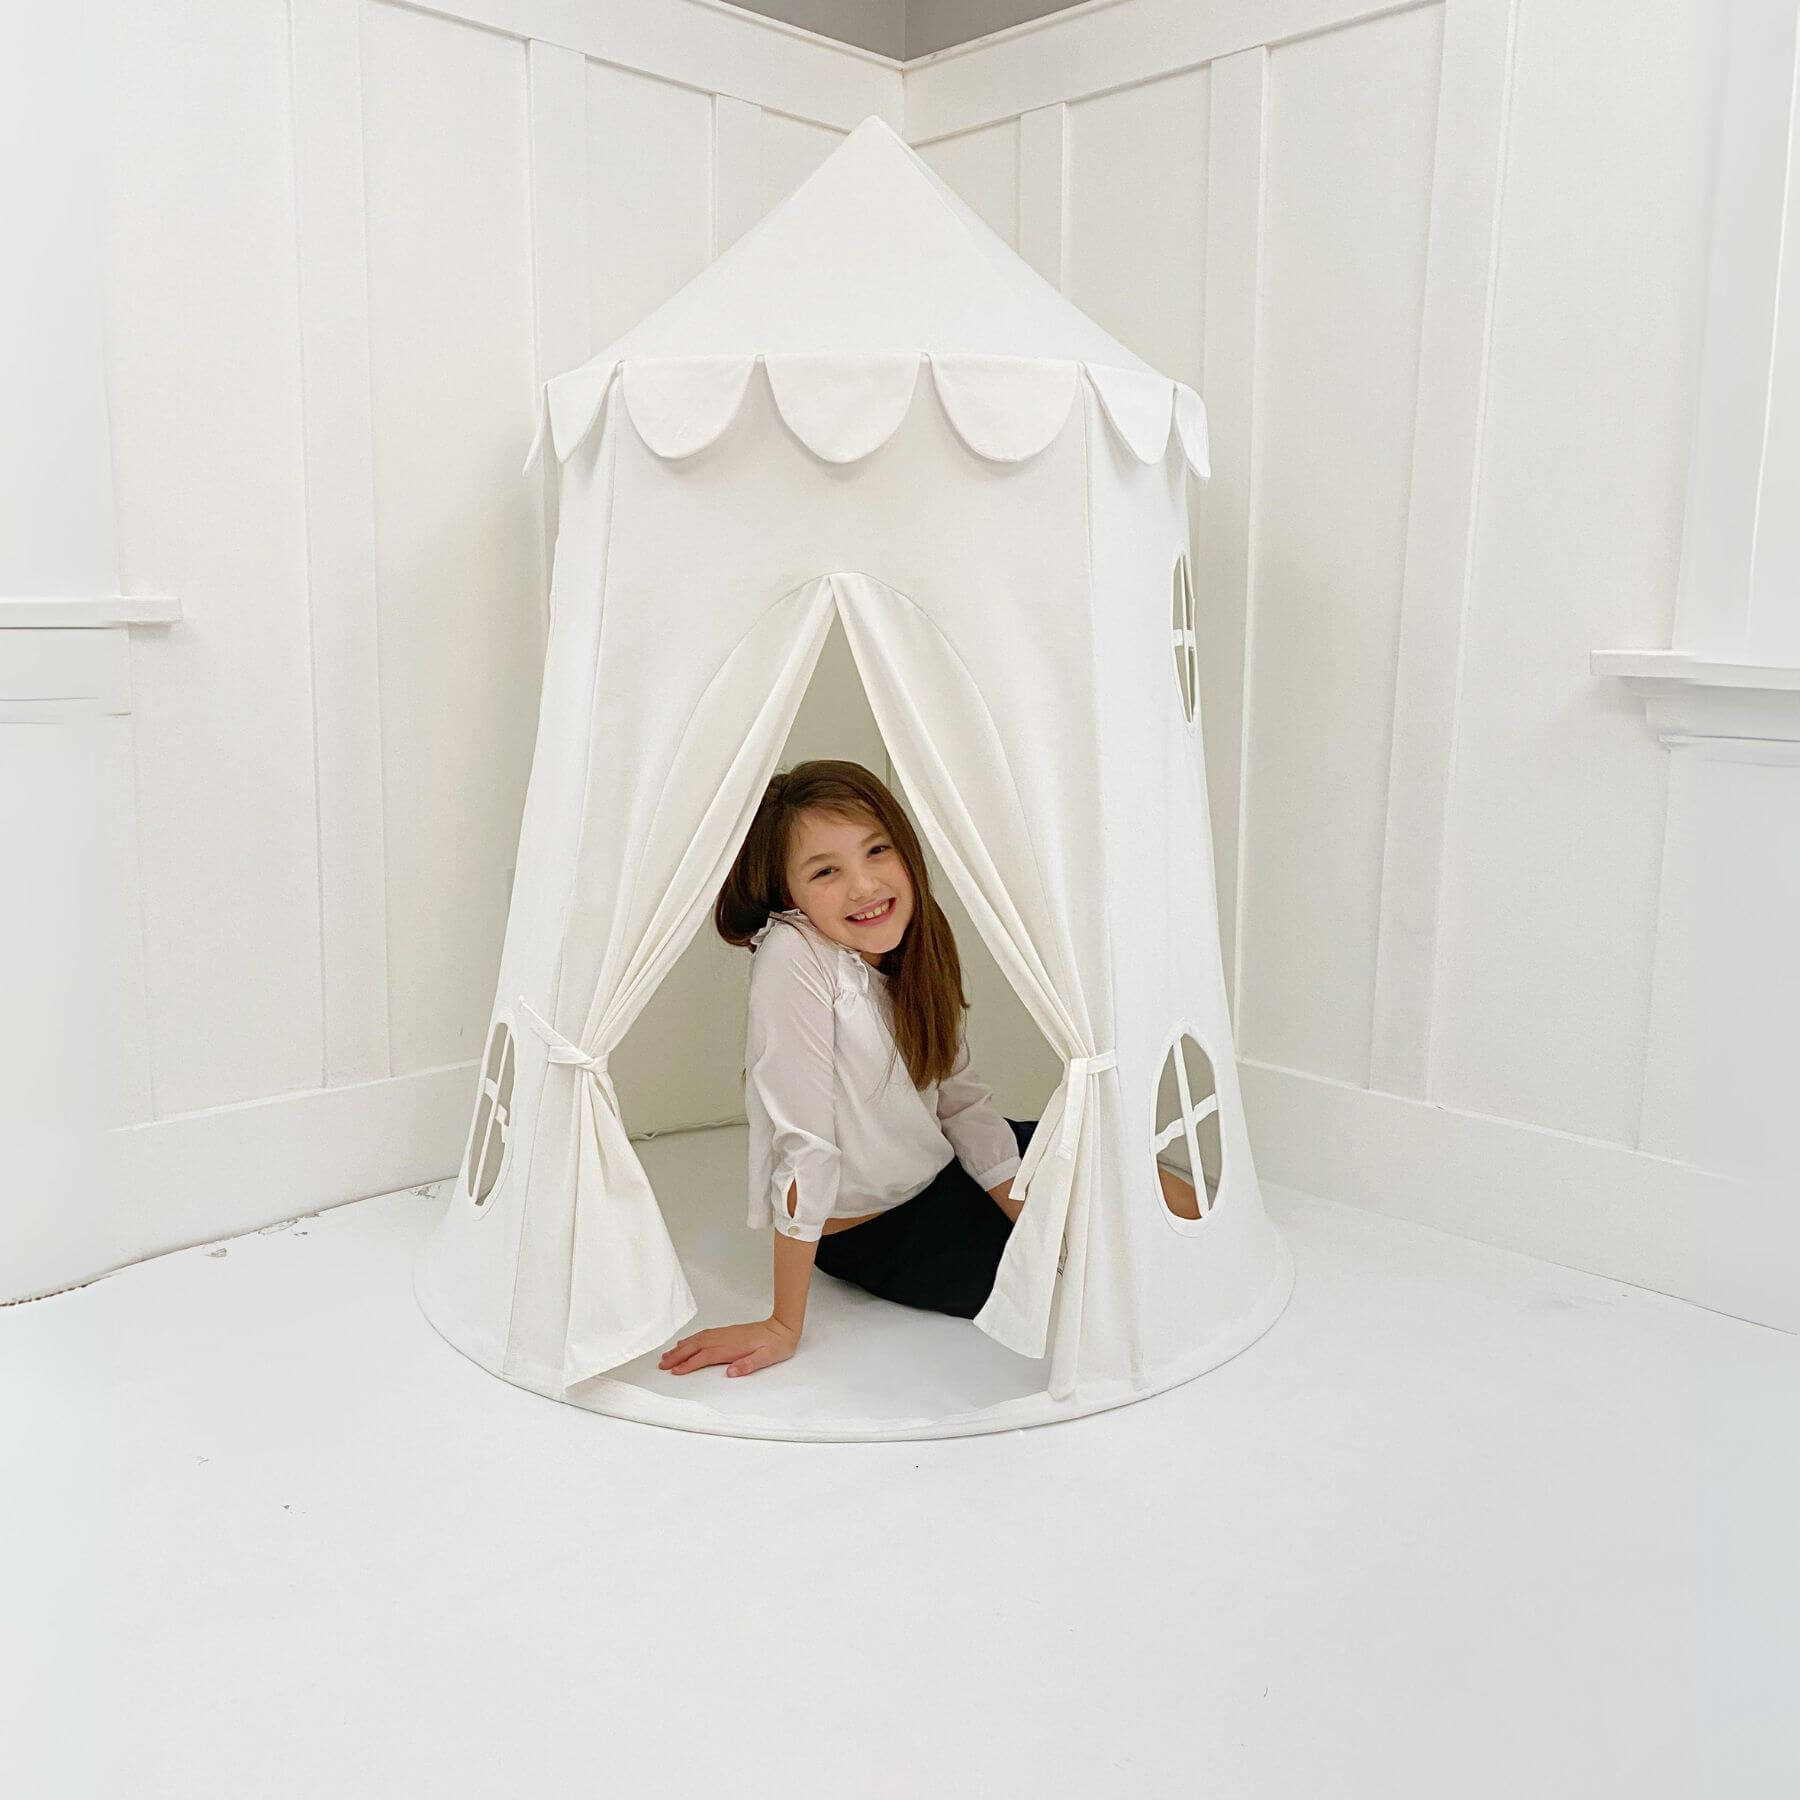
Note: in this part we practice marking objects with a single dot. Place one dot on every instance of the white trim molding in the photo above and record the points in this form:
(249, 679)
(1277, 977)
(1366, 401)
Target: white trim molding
(1695, 699)
(1723, 1241)
(1111, 44)
(86, 611)
(704, 45)
(197, 1177)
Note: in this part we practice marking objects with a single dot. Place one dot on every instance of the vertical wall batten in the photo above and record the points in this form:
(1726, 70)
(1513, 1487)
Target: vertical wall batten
(1225, 601)
(557, 97)
(340, 534)
(1461, 262)
(1043, 189)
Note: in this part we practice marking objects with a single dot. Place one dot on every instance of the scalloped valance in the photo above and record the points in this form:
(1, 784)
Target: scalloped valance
(845, 405)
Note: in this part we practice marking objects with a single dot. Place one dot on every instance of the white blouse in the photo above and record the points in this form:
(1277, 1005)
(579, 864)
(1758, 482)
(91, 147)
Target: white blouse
(830, 1104)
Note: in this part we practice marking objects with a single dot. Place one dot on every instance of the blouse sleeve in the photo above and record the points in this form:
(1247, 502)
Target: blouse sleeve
(789, 1065)
(983, 1141)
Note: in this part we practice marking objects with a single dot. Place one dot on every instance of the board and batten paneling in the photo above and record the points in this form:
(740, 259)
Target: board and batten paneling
(647, 199)
(788, 151)
(1337, 253)
(459, 557)
(983, 168)
(1351, 118)
(1554, 865)
(1450, 391)
(205, 403)
(348, 240)
(1135, 257)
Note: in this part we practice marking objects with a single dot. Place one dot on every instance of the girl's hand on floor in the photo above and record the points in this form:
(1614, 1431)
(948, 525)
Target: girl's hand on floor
(746, 1348)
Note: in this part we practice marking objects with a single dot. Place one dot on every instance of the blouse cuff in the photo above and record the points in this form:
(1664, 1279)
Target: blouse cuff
(815, 1179)
(1001, 1171)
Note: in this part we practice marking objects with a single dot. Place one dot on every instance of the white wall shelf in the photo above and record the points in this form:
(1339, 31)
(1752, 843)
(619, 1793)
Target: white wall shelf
(1689, 697)
(63, 612)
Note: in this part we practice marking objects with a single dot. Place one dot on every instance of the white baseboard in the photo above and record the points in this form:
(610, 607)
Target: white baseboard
(206, 1175)
(1723, 1243)
(1727, 1244)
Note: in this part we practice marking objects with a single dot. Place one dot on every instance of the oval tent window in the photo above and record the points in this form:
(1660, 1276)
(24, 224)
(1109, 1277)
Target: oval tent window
(491, 1134)
(1186, 1139)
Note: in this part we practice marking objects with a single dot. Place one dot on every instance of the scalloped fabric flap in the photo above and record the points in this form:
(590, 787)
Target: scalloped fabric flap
(843, 406)
(1005, 408)
(680, 404)
(1190, 426)
(572, 404)
(1139, 407)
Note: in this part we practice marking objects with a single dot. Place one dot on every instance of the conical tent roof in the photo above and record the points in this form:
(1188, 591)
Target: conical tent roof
(910, 267)
(869, 266)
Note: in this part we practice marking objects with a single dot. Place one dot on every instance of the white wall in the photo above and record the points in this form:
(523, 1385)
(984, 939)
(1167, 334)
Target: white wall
(1438, 270)
(65, 952)
(347, 240)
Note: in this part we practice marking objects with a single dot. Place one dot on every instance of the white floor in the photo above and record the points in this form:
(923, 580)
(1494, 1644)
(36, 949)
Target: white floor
(1461, 1525)
(872, 1370)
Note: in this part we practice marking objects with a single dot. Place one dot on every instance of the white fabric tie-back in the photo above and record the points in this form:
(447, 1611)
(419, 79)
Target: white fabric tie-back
(1076, 1073)
(560, 1050)
(625, 1281)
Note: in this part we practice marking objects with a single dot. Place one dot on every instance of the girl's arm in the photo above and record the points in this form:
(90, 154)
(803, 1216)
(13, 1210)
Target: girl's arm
(1002, 1197)
(747, 1348)
(789, 1052)
(793, 1274)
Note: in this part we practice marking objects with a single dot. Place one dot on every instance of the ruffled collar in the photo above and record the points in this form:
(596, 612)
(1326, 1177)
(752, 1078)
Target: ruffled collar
(857, 974)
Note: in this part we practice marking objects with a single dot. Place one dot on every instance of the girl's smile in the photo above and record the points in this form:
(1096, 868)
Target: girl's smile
(850, 881)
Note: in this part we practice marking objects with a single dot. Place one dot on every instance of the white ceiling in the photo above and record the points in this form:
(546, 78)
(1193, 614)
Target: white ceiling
(904, 29)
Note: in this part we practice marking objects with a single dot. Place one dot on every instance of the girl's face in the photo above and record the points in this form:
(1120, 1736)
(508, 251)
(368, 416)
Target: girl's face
(850, 881)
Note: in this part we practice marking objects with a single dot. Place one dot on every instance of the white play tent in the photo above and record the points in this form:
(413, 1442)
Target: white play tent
(868, 409)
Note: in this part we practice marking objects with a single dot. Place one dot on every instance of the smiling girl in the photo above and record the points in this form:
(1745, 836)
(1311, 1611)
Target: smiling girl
(874, 1152)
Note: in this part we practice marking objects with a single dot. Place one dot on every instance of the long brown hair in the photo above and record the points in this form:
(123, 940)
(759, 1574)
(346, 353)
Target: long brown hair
(923, 970)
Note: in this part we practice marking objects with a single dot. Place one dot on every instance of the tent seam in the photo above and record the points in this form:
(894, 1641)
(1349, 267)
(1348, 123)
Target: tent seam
(1134, 1345)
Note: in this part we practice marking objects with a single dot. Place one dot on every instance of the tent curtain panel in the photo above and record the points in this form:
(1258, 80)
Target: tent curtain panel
(627, 1292)
(952, 763)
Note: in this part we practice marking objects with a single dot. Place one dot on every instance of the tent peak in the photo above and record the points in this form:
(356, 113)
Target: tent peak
(873, 251)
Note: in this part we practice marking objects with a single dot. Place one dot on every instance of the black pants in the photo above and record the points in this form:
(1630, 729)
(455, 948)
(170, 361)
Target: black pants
(939, 1250)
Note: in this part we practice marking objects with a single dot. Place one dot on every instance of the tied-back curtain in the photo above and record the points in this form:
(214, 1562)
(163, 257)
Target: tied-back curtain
(626, 1289)
(951, 761)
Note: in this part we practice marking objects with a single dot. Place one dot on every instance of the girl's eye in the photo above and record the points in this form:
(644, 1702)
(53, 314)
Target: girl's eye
(819, 874)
